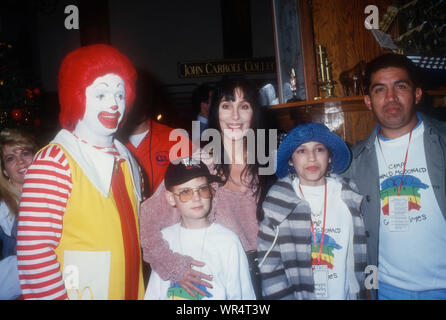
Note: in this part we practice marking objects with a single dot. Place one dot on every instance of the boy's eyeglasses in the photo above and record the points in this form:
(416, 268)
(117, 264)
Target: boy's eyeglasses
(186, 195)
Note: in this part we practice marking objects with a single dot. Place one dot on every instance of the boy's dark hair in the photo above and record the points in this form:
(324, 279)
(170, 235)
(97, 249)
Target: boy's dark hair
(391, 60)
(200, 94)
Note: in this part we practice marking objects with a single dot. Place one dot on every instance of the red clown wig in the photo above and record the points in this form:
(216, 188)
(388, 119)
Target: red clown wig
(78, 71)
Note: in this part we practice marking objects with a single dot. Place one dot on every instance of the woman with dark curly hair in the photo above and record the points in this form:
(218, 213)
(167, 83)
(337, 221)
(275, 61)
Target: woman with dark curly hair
(235, 113)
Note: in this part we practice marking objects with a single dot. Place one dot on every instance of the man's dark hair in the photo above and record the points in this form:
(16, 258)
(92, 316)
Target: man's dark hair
(391, 60)
(200, 94)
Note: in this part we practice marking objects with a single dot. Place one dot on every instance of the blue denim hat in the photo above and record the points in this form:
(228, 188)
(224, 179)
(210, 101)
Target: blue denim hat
(340, 153)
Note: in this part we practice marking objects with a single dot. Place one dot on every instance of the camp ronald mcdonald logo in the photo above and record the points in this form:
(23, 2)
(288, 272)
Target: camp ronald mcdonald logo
(410, 187)
(327, 254)
(176, 292)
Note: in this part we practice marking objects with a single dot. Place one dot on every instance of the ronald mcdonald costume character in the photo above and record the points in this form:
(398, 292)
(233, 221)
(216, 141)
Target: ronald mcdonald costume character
(78, 233)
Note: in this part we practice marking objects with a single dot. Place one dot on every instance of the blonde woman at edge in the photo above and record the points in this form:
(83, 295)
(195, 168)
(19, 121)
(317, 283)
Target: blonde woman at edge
(17, 149)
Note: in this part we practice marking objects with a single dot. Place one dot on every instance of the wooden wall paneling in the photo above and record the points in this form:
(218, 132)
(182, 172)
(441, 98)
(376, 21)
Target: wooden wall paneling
(358, 123)
(348, 117)
(284, 119)
(352, 122)
(308, 48)
(339, 26)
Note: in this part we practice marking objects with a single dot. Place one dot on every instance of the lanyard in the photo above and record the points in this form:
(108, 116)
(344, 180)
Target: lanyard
(323, 225)
(405, 157)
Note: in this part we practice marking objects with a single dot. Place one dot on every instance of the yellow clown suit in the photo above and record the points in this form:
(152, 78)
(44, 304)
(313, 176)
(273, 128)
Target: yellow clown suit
(92, 246)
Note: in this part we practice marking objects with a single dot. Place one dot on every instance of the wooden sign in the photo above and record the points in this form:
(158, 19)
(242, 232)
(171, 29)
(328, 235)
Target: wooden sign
(225, 67)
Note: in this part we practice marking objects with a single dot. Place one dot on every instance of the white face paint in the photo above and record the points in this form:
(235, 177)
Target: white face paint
(104, 110)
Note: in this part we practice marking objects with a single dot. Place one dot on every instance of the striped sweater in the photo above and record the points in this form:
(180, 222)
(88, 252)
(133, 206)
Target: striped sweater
(286, 270)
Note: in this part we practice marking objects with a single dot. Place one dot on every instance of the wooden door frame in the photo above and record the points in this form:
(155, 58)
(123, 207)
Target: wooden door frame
(307, 48)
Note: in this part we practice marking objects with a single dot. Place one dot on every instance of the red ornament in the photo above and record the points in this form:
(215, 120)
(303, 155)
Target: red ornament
(36, 91)
(37, 122)
(17, 114)
(29, 93)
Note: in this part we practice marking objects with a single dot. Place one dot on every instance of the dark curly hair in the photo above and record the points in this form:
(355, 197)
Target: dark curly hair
(225, 90)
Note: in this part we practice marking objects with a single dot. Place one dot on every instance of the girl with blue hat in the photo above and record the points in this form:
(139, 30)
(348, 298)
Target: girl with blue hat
(312, 243)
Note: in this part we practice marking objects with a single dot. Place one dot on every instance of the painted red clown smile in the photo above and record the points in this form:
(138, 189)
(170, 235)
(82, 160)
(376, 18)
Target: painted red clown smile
(109, 120)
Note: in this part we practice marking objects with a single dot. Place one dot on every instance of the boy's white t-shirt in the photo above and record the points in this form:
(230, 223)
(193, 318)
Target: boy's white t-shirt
(414, 259)
(337, 251)
(221, 251)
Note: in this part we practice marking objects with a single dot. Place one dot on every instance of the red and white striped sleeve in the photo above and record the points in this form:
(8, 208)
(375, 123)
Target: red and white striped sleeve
(44, 198)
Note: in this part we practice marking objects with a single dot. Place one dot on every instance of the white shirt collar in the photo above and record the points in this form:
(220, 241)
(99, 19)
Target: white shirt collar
(136, 139)
(96, 164)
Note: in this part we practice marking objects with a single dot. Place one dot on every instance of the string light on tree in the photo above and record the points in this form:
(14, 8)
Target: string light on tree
(19, 91)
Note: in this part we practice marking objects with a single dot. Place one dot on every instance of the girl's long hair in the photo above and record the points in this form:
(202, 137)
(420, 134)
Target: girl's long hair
(8, 193)
(225, 89)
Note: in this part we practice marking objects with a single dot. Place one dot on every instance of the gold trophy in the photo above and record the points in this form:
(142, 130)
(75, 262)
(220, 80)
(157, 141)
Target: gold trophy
(326, 83)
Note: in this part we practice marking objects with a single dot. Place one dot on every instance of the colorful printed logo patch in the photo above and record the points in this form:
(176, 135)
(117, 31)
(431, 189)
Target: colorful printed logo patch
(176, 292)
(409, 187)
(327, 255)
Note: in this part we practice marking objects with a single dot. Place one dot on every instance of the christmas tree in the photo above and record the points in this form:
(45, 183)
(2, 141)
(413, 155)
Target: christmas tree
(19, 92)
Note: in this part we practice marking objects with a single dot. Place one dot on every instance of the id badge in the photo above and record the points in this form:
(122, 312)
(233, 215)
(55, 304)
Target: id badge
(320, 275)
(399, 213)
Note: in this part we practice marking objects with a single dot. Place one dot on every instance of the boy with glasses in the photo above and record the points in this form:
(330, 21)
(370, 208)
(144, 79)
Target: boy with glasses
(188, 188)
